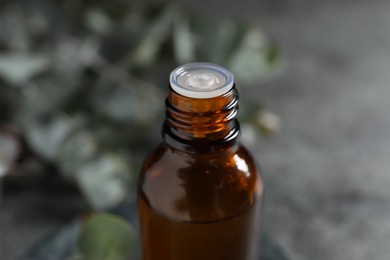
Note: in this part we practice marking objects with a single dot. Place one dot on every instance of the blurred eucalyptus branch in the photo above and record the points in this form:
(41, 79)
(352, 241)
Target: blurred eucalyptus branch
(84, 81)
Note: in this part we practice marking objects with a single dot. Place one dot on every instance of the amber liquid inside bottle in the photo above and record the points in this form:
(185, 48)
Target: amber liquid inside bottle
(199, 192)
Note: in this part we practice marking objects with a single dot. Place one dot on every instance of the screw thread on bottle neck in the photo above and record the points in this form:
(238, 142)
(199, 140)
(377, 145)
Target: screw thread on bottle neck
(202, 121)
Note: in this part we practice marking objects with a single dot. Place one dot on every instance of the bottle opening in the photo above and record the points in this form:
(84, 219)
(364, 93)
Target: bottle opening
(201, 80)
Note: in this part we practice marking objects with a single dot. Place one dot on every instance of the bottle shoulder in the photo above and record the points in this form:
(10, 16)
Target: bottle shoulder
(165, 156)
(199, 185)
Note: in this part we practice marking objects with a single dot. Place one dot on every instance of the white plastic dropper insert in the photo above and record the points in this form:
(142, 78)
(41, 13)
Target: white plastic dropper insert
(201, 80)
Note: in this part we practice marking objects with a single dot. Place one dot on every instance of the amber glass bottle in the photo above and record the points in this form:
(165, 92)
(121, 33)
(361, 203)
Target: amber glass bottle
(199, 192)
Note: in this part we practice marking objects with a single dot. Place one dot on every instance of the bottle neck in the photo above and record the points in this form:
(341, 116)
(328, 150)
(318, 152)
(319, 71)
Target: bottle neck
(201, 122)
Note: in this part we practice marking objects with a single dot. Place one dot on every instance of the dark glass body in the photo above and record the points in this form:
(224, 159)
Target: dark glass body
(199, 192)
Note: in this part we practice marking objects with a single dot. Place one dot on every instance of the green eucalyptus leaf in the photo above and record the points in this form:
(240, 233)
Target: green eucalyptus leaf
(204, 33)
(71, 56)
(77, 149)
(108, 237)
(128, 100)
(103, 180)
(226, 39)
(98, 22)
(223, 38)
(183, 40)
(254, 57)
(231, 36)
(102, 176)
(46, 136)
(147, 51)
(118, 137)
(56, 91)
(18, 68)
(243, 49)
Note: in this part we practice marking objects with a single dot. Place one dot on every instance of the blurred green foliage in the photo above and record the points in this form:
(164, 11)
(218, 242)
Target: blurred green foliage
(83, 82)
(107, 237)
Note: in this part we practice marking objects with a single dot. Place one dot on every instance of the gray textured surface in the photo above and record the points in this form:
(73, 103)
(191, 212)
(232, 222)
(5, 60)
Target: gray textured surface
(327, 172)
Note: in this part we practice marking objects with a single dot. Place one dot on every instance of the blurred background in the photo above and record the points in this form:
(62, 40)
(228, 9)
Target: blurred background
(82, 88)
